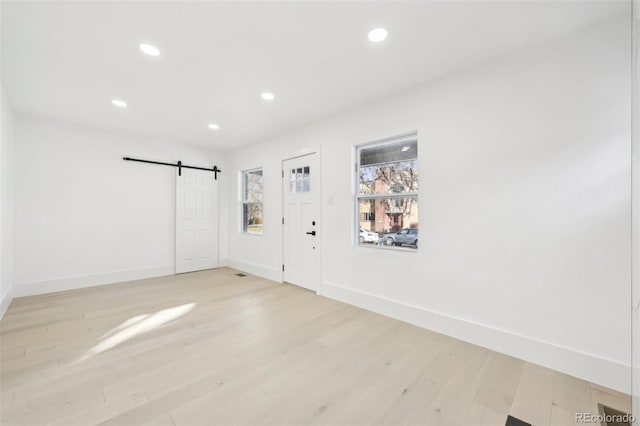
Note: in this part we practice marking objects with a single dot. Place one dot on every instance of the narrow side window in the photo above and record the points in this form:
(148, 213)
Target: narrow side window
(252, 198)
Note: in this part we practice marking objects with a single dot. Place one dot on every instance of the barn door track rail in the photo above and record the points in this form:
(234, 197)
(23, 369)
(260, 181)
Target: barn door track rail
(179, 165)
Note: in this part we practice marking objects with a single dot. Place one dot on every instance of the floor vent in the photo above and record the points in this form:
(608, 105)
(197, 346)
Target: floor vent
(512, 421)
(614, 417)
(241, 274)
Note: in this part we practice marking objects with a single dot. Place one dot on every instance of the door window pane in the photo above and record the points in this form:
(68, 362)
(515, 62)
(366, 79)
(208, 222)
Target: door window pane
(300, 179)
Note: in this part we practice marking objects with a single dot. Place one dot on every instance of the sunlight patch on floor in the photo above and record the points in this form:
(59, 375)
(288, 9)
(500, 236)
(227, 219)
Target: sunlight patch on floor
(134, 327)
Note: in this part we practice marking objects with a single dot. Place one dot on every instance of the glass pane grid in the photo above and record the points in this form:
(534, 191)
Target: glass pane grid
(252, 194)
(252, 186)
(300, 180)
(387, 198)
(389, 178)
(252, 218)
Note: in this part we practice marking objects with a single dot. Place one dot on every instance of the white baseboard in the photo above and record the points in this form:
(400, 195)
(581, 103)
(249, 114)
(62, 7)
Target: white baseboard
(71, 283)
(261, 271)
(5, 302)
(590, 367)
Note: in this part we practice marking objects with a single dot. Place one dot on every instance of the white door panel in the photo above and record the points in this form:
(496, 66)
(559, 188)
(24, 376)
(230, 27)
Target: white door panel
(302, 224)
(196, 221)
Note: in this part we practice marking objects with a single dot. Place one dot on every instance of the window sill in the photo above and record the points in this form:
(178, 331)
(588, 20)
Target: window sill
(401, 249)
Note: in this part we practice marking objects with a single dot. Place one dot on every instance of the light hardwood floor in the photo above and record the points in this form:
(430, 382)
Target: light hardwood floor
(214, 348)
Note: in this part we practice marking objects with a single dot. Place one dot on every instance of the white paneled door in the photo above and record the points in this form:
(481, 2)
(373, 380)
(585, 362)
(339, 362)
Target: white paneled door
(196, 221)
(302, 222)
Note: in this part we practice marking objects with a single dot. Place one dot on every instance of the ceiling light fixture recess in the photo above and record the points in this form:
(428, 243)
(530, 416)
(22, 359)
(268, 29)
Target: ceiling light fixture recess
(268, 96)
(376, 35)
(149, 49)
(213, 126)
(119, 103)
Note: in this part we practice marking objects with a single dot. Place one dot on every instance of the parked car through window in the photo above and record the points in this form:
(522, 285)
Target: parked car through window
(404, 237)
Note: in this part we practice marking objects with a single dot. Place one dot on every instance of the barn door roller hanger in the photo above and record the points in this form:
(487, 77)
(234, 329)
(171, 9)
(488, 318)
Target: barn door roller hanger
(179, 165)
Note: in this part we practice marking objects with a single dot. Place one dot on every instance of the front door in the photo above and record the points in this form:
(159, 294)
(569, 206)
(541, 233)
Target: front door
(302, 222)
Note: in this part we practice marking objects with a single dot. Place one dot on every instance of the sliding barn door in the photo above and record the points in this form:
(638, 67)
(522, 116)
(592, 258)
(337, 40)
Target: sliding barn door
(196, 221)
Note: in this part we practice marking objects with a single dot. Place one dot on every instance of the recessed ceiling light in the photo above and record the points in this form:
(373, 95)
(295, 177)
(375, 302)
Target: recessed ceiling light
(268, 96)
(405, 148)
(376, 35)
(149, 49)
(119, 103)
(213, 126)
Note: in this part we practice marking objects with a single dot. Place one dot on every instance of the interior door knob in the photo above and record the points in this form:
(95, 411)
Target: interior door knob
(311, 233)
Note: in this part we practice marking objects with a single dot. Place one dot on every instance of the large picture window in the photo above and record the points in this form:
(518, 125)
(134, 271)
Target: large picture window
(252, 189)
(387, 193)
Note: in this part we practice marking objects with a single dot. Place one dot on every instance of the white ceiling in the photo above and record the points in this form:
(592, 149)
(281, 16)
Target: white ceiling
(69, 59)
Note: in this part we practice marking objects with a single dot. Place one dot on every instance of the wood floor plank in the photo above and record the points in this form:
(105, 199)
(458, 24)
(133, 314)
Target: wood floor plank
(533, 398)
(160, 406)
(41, 411)
(573, 394)
(102, 412)
(369, 399)
(610, 398)
(562, 417)
(479, 415)
(458, 394)
(162, 420)
(415, 403)
(499, 385)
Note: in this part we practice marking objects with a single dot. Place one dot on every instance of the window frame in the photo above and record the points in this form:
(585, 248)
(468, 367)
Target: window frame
(409, 137)
(244, 202)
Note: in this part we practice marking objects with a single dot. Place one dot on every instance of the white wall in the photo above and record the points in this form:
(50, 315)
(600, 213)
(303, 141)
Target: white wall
(635, 253)
(524, 205)
(7, 157)
(86, 217)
